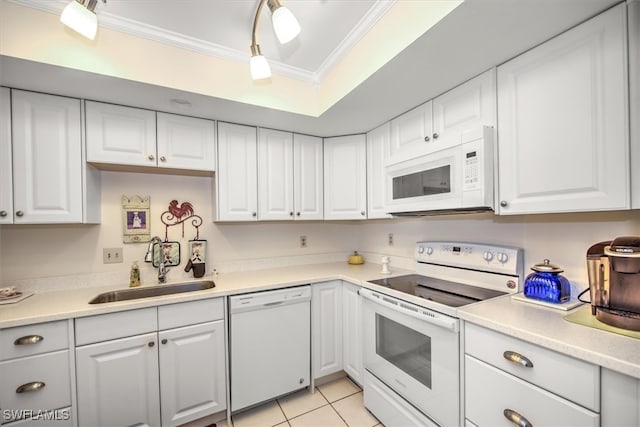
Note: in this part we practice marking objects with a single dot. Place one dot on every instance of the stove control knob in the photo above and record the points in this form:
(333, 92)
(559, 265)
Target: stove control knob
(503, 257)
(487, 256)
(429, 250)
(420, 250)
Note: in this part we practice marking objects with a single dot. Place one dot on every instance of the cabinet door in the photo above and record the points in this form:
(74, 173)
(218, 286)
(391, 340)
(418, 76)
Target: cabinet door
(460, 114)
(562, 131)
(345, 176)
(6, 173)
(633, 9)
(411, 134)
(192, 372)
(118, 382)
(620, 399)
(47, 158)
(352, 332)
(237, 174)
(186, 142)
(377, 148)
(120, 135)
(308, 194)
(275, 174)
(326, 328)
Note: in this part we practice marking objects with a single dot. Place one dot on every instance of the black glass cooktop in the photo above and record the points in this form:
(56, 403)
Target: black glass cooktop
(444, 292)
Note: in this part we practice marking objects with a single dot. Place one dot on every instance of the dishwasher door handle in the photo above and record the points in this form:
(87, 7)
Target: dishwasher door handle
(272, 304)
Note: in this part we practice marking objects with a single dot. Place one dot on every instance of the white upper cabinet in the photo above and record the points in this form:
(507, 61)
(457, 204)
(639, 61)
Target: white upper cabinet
(633, 9)
(237, 173)
(377, 147)
(454, 117)
(308, 173)
(460, 114)
(275, 175)
(562, 133)
(186, 142)
(6, 174)
(128, 136)
(120, 135)
(345, 176)
(47, 159)
(411, 134)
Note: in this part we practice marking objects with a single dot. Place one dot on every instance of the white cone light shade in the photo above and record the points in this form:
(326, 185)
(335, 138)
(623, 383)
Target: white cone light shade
(260, 68)
(80, 19)
(285, 25)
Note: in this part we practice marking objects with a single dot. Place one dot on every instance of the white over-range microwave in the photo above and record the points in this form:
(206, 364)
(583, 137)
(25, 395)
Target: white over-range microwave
(459, 178)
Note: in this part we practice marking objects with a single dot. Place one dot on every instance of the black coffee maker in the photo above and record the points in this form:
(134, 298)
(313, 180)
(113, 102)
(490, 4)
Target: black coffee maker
(614, 281)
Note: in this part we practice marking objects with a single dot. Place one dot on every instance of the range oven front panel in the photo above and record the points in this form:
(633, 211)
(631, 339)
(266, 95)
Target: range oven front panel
(414, 351)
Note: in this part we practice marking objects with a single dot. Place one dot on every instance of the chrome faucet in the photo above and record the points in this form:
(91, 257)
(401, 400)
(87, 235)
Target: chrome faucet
(162, 268)
(162, 272)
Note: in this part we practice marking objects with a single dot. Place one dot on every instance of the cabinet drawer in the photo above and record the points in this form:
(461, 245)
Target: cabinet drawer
(50, 371)
(571, 378)
(116, 325)
(489, 392)
(28, 340)
(189, 313)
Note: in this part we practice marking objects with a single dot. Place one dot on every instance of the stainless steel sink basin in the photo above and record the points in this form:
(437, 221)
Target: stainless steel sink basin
(151, 291)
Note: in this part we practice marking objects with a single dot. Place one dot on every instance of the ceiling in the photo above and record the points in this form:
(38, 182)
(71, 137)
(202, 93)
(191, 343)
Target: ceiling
(475, 36)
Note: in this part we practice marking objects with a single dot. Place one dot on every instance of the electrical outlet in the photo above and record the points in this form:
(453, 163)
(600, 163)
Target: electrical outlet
(111, 255)
(303, 241)
(390, 236)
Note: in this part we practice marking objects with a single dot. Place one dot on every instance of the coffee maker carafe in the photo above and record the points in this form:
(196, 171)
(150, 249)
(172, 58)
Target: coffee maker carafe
(614, 281)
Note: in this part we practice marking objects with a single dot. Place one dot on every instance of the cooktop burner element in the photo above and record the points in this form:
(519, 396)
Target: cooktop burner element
(437, 290)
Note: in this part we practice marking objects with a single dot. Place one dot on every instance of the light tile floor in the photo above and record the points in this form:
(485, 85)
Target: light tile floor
(338, 403)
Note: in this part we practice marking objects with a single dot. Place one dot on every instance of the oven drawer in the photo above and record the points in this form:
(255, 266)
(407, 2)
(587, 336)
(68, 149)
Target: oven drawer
(491, 393)
(570, 378)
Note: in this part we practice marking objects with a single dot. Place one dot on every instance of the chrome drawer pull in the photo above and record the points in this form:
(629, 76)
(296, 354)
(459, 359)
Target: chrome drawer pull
(29, 339)
(518, 359)
(516, 418)
(29, 387)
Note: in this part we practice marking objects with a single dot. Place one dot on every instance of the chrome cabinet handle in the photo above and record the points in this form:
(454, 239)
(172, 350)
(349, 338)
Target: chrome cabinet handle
(427, 139)
(290, 213)
(435, 136)
(29, 387)
(517, 358)
(164, 341)
(516, 418)
(151, 344)
(151, 157)
(253, 214)
(363, 213)
(28, 339)
(163, 159)
(19, 213)
(297, 213)
(3, 213)
(504, 203)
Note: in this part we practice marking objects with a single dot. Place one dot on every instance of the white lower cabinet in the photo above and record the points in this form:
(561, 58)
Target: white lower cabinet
(167, 377)
(620, 399)
(510, 381)
(352, 332)
(326, 328)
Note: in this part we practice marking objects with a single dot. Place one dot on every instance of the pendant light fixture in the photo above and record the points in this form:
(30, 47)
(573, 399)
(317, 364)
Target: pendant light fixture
(286, 27)
(79, 15)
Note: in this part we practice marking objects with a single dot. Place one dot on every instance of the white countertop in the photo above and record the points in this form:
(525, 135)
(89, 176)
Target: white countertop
(547, 328)
(537, 324)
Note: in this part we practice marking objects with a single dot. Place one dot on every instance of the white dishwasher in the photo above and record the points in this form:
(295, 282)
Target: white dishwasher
(270, 334)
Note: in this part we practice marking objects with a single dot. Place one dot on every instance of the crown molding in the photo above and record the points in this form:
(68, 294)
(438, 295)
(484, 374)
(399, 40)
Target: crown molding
(182, 41)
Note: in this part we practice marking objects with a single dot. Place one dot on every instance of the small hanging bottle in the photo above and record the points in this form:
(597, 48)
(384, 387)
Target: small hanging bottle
(134, 276)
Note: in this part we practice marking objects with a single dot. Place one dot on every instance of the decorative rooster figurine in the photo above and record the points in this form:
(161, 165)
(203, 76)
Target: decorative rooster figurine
(182, 211)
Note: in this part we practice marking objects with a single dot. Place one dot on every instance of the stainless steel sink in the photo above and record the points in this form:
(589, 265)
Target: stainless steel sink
(151, 291)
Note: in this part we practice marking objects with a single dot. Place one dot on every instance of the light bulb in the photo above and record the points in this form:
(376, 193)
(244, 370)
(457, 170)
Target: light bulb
(80, 19)
(260, 68)
(285, 24)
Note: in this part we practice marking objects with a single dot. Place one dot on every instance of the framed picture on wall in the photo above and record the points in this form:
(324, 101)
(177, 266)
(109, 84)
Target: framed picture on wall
(136, 219)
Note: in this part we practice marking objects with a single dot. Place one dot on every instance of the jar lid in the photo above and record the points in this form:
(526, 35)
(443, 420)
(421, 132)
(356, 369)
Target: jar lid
(547, 267)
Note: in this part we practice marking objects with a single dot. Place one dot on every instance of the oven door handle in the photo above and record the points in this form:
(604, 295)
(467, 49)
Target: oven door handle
(420, 313)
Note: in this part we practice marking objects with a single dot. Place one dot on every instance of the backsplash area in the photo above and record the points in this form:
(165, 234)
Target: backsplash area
(73, 253)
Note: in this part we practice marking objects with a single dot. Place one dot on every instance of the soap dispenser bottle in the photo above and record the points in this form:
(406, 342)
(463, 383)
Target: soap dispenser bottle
(134, 275)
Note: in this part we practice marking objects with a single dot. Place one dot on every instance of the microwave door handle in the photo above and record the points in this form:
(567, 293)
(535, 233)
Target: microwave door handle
(422, 313)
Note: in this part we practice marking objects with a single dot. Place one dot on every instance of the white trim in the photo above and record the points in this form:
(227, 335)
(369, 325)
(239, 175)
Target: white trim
(150, 32)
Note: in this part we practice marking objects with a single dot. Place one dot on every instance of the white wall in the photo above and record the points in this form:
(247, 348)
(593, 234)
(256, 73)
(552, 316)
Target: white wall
(29, 252)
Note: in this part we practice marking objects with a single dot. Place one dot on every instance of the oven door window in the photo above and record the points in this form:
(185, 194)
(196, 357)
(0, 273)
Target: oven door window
(405, 348)
(424, 183)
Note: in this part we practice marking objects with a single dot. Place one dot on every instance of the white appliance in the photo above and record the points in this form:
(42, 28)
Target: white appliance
(458, 178)
(411, 329)
(270, 344)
